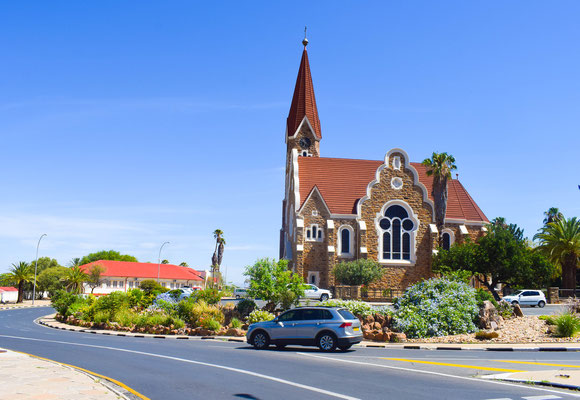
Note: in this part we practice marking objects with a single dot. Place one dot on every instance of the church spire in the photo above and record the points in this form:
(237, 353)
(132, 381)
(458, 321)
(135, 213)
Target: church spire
(303, 101)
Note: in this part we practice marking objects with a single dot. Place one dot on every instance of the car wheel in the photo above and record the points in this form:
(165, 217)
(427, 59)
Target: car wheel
(324, 297)
(541, 304)
(260, 340)
(514, 303)
(345, 348)
(326, 341)
(237, 296)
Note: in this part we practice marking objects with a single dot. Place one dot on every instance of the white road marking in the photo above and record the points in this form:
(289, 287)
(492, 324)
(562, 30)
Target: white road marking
(241, 371)
(541, 397)
(435, 373)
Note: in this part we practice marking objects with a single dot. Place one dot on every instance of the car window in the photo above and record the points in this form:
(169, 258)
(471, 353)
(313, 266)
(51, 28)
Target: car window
(518, 293)
(529, 293)
(346, 314)
(312, 314)
(326, 314)
(292, 315)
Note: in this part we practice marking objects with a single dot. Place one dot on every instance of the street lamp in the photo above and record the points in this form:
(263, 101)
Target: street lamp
(159, 264)
(35, 268)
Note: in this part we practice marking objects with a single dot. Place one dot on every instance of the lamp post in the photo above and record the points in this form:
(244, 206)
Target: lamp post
(159, 261)
(35, 268)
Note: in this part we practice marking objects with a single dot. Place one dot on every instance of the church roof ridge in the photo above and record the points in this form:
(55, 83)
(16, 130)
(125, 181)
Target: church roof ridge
(303, 101)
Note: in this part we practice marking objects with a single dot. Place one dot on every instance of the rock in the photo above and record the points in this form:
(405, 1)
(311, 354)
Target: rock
(387, 335)
(398, 337)
(377, 326)
(380, 319)
(487, 315)
(368, 320)
(366, 327)
(368, 335)
(235, 332)
(494, 325)
(388, 320)
(552, 330)
(518, 311)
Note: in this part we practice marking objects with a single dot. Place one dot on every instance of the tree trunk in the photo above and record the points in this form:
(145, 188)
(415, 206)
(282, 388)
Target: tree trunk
(491, 287)
(569, 272)
(440, 200)
(20, 292)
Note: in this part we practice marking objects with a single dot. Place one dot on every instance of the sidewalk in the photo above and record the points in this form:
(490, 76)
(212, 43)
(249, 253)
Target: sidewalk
(565, 379)
(25, 377)
(25, 304)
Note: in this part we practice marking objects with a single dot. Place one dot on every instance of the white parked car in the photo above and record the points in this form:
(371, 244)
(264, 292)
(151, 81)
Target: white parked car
(240, 293)
(313, 292)
(527, 297)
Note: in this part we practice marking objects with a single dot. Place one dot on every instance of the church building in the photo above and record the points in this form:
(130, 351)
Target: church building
(338, 209)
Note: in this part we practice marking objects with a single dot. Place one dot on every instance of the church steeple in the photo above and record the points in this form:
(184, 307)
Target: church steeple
(303, 101)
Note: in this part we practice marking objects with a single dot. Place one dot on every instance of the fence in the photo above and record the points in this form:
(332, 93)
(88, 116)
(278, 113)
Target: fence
(367, 294)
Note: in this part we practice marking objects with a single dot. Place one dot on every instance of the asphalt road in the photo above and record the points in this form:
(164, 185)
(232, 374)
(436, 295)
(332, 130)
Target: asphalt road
(202, 369)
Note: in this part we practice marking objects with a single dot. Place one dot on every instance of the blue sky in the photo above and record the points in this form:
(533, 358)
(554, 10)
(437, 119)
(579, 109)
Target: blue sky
(127, 124)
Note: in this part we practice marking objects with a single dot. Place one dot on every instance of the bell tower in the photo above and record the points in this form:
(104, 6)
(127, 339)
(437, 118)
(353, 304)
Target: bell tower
(303, 131)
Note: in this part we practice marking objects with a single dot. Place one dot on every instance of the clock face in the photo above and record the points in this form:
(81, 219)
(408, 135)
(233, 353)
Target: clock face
(305, 143)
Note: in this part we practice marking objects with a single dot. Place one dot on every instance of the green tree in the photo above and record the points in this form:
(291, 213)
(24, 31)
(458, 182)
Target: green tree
(439, 166)
(20, 274)
(272, 281)
(164, 261)
(184, 264)
(106, 255)
(94, 276)
(552, 215)
(358, 272)
(560, 242)
(45, 263)
(75, 277)
(498, 257)
(51, 280)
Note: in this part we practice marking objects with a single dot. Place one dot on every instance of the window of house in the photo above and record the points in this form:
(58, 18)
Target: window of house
(131, 284)
(345, 238)
(397, 234)
(314, 233)
(447, 238)
(114, 284)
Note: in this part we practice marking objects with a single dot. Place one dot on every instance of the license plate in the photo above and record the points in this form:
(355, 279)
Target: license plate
(356, 329)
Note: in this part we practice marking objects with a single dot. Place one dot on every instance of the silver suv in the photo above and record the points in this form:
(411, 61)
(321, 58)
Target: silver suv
(325, 327)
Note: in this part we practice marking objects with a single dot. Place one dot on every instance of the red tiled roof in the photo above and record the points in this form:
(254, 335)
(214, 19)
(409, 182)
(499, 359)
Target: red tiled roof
(8, 289)
(144, 270)
(342, 182)
(303, 101)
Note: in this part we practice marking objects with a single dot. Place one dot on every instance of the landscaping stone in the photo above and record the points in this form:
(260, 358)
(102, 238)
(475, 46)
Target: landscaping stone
(368, 320)
(398, 337)
(518, 311)
(377, 326)
(488, 316)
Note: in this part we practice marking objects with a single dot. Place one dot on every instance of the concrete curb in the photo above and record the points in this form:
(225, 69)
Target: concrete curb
(18, 307)
(507, 378)
(48, 321)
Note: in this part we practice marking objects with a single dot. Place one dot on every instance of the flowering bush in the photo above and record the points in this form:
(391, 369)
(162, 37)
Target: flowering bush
(259, 316)
(436, 307)
(358, 308)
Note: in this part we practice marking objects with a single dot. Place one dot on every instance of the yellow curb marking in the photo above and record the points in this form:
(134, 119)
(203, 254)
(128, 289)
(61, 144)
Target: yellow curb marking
(453, 365)
(539, 363)
(121, 384)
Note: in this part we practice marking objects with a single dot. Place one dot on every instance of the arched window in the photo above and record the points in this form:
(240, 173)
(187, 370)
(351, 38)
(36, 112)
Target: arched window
(447, 238)
(314, 233)
(397, 229)
(345, 241)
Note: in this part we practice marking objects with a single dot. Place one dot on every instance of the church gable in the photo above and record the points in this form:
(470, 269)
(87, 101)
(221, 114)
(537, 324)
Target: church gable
(397, 212)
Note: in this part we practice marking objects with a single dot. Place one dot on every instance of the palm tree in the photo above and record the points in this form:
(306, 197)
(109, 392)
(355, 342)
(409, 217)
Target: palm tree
(184, 264)
(216, 259)
(20, 274)
(560, 242)
(439, 166)
(75, 277)
(552, 215)
(75, 262)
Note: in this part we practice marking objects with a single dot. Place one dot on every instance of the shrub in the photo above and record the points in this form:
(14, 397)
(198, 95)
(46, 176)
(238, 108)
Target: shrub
(358, 272)
(550, 320)
(209, 295)
(245, 307)
(358, 308)
(567, 325)
(436, 307)
(112, 302)
(149, 286)
(483, 335)
(201, 311)
(138, 299)
(236, 323)
(259, 316)
(101, 317)
(211, 324)
(125, 317)
(288, 298)
(61, 301)
(481, 295)
(183, 309)
(505, 309)
(175, 294)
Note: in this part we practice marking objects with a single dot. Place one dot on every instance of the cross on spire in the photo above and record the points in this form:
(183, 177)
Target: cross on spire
(305, 41)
